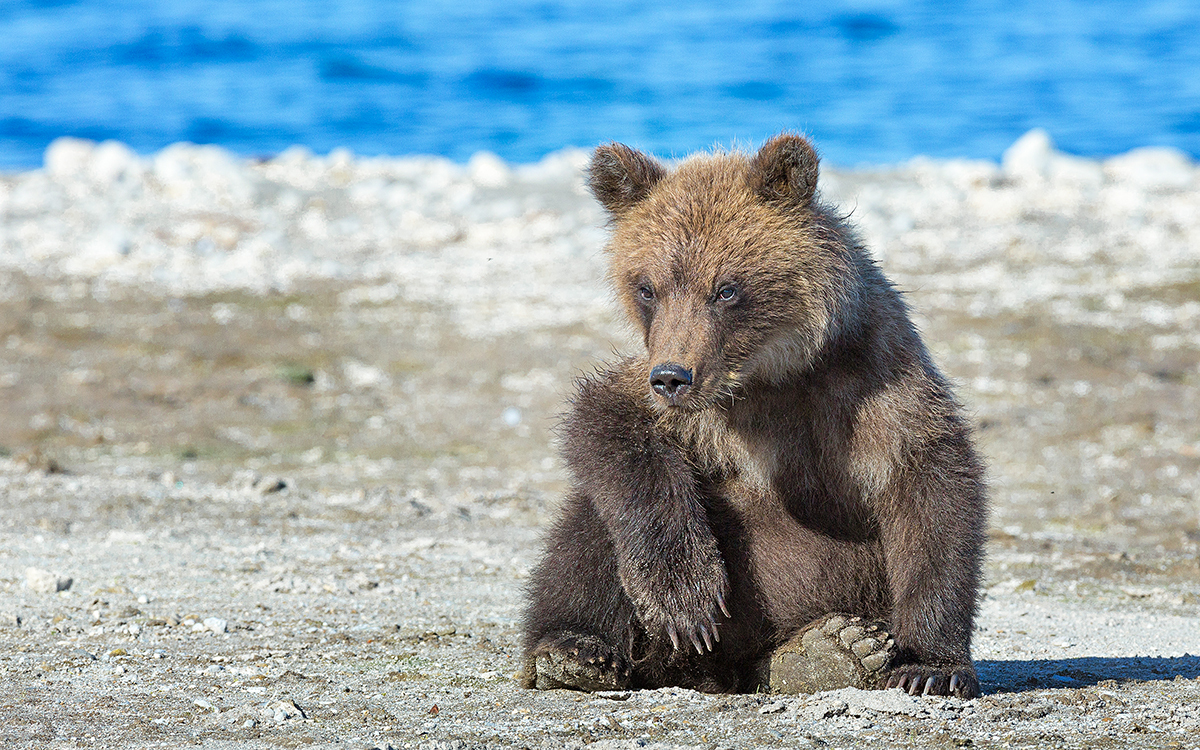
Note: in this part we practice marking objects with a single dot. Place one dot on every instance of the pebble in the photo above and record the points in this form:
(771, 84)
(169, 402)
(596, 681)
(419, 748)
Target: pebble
(774, 708)
(45, 582)
(823, 708)
(285, 709)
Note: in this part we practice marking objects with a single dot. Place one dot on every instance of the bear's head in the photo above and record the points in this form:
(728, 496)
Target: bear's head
(728, 263)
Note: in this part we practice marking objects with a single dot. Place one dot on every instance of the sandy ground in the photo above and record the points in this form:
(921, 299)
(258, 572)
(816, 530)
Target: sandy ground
(287, 428)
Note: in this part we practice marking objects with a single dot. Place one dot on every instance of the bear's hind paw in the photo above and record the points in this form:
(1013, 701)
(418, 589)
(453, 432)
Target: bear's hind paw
(834, 652)
(578, 662)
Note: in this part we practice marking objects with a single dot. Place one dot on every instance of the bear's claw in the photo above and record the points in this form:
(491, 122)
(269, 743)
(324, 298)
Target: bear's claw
(921, 679)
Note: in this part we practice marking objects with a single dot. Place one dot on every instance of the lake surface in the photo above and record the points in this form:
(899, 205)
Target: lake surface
(871, 82)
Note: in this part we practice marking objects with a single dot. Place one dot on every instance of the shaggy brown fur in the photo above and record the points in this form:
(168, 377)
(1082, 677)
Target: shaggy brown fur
(784, 449)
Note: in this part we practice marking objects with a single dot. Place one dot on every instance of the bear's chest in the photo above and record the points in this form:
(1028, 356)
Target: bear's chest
(740, 465)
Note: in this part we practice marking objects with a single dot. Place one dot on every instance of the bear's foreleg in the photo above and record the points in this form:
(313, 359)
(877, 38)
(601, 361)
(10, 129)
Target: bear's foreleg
(645, 493)
(932, 533)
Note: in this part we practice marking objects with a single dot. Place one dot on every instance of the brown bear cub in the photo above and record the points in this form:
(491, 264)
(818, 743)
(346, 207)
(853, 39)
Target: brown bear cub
(783, 470)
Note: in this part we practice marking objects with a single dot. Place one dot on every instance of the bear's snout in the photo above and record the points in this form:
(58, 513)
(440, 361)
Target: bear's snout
(670, 381)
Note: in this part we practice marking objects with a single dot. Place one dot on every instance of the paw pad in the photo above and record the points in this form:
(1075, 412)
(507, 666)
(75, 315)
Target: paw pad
(834, 652)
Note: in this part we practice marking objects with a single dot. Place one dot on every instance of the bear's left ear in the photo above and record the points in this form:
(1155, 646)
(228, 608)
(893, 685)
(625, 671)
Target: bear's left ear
(785, 169)
(620, 176)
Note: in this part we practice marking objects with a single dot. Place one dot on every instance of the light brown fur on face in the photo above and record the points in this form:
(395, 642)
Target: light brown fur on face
(702, 227)
(784, 449)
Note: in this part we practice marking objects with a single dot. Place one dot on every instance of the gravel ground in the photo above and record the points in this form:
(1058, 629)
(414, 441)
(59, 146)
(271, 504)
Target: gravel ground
(277, 445)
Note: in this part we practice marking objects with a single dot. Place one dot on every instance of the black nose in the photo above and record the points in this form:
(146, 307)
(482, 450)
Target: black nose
(670, 379)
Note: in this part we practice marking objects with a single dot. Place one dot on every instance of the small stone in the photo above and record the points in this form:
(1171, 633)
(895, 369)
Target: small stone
(822, 709)
(270, 485)
(870, 702)
(215, 624)
(612, 695)
(45, 582)
(286, 709)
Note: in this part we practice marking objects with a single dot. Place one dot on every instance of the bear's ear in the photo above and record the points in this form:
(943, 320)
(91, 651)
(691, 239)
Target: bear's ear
(620, 176)
(785, 169)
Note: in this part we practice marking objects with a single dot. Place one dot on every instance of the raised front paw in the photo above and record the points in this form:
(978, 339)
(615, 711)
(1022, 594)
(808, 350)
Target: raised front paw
(685, 609)
(921, 679)
(578, 662)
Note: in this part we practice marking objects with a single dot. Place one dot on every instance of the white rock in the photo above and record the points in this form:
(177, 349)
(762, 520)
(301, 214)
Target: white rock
(45, 582)
(1153, 168)
(112, 161)
(822, 708)
(868, 702)
(67, 158)
(286, 709)
(360, 375)
(1074, 170)
(215, 624)
(206, 705)
(1029, 157)
(775, 707)
(488, 170)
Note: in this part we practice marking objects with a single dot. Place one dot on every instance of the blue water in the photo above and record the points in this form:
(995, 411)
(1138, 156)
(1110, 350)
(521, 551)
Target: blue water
(873, 82)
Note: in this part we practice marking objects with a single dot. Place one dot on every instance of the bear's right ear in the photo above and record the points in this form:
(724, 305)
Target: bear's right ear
(785, 169)
(620, 176)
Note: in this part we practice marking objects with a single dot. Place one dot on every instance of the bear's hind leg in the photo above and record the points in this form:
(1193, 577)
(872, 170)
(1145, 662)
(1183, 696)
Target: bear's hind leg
(834, 652)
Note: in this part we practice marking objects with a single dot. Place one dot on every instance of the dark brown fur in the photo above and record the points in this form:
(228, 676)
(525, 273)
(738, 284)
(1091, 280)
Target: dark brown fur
(816, 463)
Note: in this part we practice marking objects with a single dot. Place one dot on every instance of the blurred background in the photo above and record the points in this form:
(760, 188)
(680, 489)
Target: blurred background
(872, 82)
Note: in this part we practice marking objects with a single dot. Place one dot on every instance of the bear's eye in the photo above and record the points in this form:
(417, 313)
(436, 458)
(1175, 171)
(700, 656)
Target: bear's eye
(646, 293)
(727, 293)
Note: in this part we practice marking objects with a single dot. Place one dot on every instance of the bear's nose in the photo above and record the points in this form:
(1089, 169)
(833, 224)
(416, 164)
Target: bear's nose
(670, 379)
